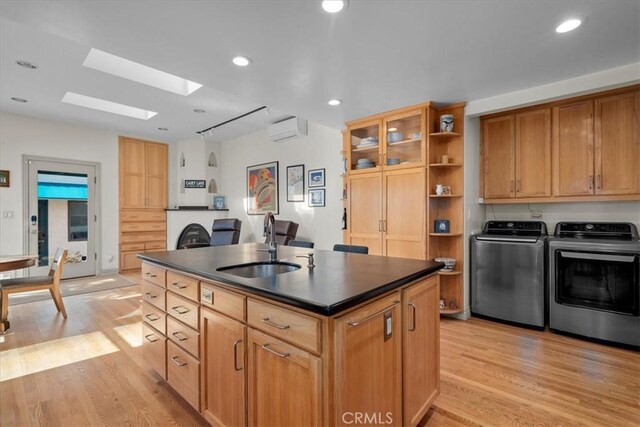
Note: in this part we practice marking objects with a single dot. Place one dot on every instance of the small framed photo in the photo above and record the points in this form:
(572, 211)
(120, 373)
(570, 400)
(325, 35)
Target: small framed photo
(218, 202)
(316, 198)
(295, 183)
(316, 178)
(441, 226)
(4, 178)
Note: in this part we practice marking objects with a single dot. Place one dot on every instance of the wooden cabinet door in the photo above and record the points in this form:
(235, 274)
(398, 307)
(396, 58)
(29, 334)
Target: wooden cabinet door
(617, 144)
(223, 369)
(498, 149)
(365, 211)
(285, 384)
(156, 175)
(533, 153)
(573, 149)
(421, 340)
(132, 173)
(368, 363)
(404, 220)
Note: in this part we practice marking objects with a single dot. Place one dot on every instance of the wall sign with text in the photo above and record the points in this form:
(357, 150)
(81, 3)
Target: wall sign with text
(195, 183)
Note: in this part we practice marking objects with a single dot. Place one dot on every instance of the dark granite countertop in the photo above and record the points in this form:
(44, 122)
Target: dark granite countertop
(339, 281)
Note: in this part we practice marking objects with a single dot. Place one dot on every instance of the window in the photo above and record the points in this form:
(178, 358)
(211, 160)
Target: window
(77, 218)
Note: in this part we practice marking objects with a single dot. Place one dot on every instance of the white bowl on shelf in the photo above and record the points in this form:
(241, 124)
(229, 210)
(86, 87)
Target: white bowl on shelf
(394, 136)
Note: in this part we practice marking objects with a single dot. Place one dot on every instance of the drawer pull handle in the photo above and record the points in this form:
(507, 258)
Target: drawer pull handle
(177, 362)
(180, 336)
(178, 286)
(283, 355)
(150, 295)
(149, 339)
(150, 275)
(275, 325)
(152, 317)
(235, 355)
(177, 309)
(374, 315)
(413, 309)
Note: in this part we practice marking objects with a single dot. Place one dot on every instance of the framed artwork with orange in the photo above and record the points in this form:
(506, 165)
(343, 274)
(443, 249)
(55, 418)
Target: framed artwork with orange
(262, 189)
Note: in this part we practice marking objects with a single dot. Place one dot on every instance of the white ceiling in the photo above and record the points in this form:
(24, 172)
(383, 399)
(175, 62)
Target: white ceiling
(375, 55)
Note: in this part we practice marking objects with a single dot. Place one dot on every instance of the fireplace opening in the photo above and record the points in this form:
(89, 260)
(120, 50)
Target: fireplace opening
(193, 233)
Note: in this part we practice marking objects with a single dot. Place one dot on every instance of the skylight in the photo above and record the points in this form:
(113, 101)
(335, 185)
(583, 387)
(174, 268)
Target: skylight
(117, 66)
(107, 106)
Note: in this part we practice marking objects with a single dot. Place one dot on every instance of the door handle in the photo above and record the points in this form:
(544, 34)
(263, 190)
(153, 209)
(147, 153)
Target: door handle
(512, 187)
(518, 186)
(590, 182)
(275, 325)
(235, 355)
(599, 182)
(283, 355)
(413, 310)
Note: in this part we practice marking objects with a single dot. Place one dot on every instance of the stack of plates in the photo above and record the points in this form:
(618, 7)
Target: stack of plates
(364, 164)
(368, 142)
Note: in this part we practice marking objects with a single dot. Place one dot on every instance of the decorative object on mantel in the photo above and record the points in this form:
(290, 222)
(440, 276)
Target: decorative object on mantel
(213, 161)
(446, 123)
(213, 186)
(316, 178)
(295, 183)
(262, 189)
(195, 183)
(182, 162)
(316, 198)
(4, 178)
(219, 202)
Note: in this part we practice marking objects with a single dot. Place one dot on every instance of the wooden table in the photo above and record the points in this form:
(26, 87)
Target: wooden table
(16, 262)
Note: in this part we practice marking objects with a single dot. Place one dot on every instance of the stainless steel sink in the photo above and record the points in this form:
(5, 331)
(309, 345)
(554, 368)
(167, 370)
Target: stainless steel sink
(259, 269)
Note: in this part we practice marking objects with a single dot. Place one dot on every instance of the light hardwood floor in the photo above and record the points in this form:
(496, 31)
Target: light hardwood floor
(89, 371)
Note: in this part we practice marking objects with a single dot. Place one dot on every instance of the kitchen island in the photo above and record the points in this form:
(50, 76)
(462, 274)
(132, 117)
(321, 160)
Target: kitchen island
(353, 340)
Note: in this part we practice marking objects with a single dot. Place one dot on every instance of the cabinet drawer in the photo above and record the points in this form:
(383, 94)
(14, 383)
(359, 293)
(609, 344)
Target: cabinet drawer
(182, 309)
(184, 336)
(155, 317)
(130, 261)
(142, 236)
(226, 302)
(156, 245)
(143, 226)
(183, 285)
(153, 294)
(142, 215)
(132, 247)
(154, 346)
(153, 274)
(183, 374)
(288, 325)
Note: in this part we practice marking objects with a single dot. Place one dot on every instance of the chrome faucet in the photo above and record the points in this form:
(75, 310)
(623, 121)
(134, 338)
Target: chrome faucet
(270, 226)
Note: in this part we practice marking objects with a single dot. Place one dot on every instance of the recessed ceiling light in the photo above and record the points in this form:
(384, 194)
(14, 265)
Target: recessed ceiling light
(198, 110)
(163, 129)
(568, 25)
(117, 66)
(107, 106)
(242, 61)
(334, 6)
(26, 64)
(334, 102)
(19, 99)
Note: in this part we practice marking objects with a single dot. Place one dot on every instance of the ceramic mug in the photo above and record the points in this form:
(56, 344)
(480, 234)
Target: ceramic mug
(439, 189)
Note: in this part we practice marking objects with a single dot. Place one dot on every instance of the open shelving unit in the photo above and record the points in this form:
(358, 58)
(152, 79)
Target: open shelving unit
(450, 206)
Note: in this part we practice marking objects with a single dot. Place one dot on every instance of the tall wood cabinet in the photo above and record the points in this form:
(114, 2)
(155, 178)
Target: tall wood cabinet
(393, 162)
(578, 149)
(143, 199)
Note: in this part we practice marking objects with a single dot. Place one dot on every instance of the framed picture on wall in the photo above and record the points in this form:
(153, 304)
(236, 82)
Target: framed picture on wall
(316, 178)
(295, 183)
(316, 198)
(4, 178)
(262, 189)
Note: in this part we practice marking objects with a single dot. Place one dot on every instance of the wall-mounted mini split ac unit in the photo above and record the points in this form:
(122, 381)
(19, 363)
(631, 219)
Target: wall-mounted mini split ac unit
(287, 129)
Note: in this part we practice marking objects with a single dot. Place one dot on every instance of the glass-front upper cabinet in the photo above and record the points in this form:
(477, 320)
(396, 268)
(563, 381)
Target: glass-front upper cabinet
(404, 136)
(363, 149)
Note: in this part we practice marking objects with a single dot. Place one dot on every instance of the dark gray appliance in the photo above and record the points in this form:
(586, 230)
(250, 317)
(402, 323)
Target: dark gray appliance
(594, 281)
(508, 272)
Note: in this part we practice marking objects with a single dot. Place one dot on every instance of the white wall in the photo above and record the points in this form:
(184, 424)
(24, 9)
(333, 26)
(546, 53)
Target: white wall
(319, 149)
(196, 155)
(21, 135)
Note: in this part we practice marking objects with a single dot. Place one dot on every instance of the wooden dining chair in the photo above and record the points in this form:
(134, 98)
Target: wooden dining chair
(28, 284)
